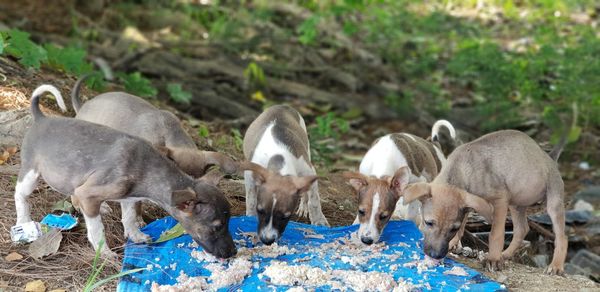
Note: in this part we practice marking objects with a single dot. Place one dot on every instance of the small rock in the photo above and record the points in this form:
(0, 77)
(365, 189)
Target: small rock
(582, 205)
(571, 217)
(501, 277)
(590, 195)
(35, 286)
(13, 256)
(585, 263)
(540, 260)
(584, 165)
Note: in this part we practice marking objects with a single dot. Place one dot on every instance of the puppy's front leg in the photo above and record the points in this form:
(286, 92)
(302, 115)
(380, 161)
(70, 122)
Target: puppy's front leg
(251, 193)
(129, 220)
(95, 233)
(314, 206)
(494, 261)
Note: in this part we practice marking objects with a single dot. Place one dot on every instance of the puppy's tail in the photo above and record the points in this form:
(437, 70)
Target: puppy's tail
(436, 129)
(35, 100)
(106, 71)
(75, 101)
(564, 139)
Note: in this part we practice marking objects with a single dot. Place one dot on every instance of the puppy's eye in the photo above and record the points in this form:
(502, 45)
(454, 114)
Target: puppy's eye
(260, 211)
(429, 223)
(383, 216)
(361, 212)
(454, 229)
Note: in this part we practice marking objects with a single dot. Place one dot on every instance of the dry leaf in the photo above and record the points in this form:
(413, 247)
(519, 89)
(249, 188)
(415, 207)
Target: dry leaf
(13, 256)
(35, 286)
(11, 150)
(46, 244)
(4, 157)
(59, 290)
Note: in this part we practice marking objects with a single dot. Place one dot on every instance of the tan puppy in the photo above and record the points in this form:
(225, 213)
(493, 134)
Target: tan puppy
(497, 172)
(279, 174)
(394, 161)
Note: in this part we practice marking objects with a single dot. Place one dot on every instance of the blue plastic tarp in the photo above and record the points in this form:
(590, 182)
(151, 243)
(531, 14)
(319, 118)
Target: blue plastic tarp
(166, 260)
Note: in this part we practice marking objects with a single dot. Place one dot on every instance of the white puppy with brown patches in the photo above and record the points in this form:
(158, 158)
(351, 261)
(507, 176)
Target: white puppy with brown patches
(279, 172)
(394, 161)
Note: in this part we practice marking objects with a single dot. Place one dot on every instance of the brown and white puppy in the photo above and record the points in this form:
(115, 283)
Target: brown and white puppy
(135, 116)
(94, 163)
(501, 171)
(394, 161)
(279, 172)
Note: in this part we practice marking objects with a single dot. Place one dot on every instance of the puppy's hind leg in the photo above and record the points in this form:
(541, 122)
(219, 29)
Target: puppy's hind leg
(26, 183)
(129, 220)
(556, 210)
(521, 228)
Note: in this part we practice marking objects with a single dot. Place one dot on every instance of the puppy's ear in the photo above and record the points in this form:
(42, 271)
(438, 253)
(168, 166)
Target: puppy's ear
(212, 178)
(184, 200)
(481, 206)
(303, 183)
(227, 164)
(419, 191)
(400, 180)
(259, 173)
(357, 180)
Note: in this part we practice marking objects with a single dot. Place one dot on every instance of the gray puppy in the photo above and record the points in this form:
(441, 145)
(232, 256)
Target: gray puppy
(94, 163)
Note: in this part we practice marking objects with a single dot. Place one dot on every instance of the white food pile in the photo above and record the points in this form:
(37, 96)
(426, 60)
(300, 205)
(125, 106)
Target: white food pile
(356, 259)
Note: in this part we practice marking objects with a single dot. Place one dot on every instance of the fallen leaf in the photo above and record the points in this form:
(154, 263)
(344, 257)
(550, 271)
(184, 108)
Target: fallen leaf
(46, 244)
(11, 150)
(35, 286)
(4, 157)
(63, 205)
(13, 256)
(174, 232)
(59, 290)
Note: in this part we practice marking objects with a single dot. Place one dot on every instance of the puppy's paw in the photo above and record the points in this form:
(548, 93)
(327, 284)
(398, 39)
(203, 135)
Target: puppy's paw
(139, 237)
(302, 209)
(320, 222)
(555, 269)
(105, 209)
(108, 254)
(493, 264)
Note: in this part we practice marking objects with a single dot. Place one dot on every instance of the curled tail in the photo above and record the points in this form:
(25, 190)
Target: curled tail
(106, 71)
(75, 101)
(564, 139)
(436, 129)
(35, 100)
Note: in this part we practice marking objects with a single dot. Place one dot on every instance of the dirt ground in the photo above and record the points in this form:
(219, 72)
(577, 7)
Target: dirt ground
(70, 267)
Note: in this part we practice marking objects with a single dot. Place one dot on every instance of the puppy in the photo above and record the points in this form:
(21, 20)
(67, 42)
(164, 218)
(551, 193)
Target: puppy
(279, 172)
(501, 171)
(394, 161)
(135, 116)
(94, 163)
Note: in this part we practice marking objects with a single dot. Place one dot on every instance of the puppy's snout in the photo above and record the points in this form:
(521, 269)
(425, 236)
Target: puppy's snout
(436, 253)
(268, 240)
(366, 240)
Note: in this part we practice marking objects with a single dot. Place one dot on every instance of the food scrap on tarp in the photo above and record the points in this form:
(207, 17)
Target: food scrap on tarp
(335, 261)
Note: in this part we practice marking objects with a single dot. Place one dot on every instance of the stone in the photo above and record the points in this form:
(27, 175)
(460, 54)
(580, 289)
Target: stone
(541, 260)
(584, 263)
(13, 126)
(571, 217)
(590, 195)
(582, 205)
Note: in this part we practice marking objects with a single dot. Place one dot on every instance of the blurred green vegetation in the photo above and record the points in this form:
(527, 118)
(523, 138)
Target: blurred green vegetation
(512, 61)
